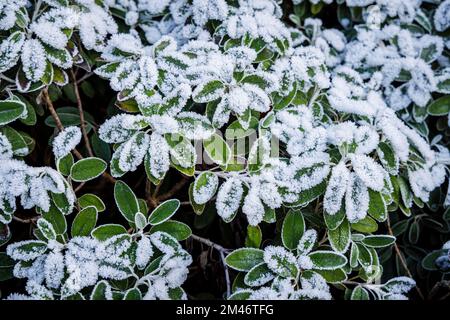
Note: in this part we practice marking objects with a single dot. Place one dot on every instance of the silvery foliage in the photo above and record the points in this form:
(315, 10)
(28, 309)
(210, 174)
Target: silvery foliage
(86, 267)
(338, 107)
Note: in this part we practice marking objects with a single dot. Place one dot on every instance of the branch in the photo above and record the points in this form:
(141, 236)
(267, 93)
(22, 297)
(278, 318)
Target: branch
(55, 117)
(80, 111)
(402, 259)
(222, 252)
(30, 220)
(60, 127)
(180, 184)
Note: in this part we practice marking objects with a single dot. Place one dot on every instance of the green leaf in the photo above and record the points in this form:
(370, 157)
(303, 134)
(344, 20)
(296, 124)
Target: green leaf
(366, 225)
(306, 196)
(439, 107)
(429, 262)
(241, 295)
(377, 206)
(10, 110)
(209, 91)
(46, 228)
(388, 157)
(254, 237)
(176, 229)
(335, 220)
(133, 294)
(292, 229)
(198, 208)
(17, 140)
(333, 276)
(57, 219)
(364, 256)
(107, 231)
(126, 200)
(64, 164)
(354, 252)
(359, 293)
(217, 149)
(84, 222)
(6, 267)
(340, 237)
(101, 291)
(285, 101)
(245, 259)
(164, 211)
(87, 169)
(258, 275)
(205, 186)
(140, 220)
(378, 241)
(327, 260)
(90, 199)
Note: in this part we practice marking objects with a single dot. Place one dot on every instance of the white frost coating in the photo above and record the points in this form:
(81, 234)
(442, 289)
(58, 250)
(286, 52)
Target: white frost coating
(86, 262)
(32, 185)
(66, 141)
(253, 207)
(356, 199)
(442, 16)
(229, 198)
(370, 172)
(6, 151)
(33, 59)
(204, 192)
(158, 152)
(336, 188)
(277, 258)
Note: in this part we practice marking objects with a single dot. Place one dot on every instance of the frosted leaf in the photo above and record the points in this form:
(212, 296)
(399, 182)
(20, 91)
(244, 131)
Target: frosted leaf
(259, 101)
(50, 34)
(399, 285)
(268, 193)
(278, 259)
(148, 72)
(163, 124)
(8, 9)
(120, 127)
(158, 153)
(356, 199)
(205, 187)
(229, 198)
(133, 151)
(367, 139)
(38, 291)
(26, 250)
(33, 59)
(253, 207)
(10, 49)
(307, 242)
(54, 269)
(5, 148)
(370, 172)
(204, 10)
(121, 42)
(242, 56)
(95, 26)
(442, 16)
(66, 141)
(194, 126)
(144, 252)
(336, 188)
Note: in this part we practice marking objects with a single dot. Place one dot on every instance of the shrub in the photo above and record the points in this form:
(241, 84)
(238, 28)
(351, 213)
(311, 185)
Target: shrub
(308, 153)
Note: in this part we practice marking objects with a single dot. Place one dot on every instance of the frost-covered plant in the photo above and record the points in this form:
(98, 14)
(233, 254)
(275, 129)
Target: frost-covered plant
(316, 133)
(88, 262)
(301, 269)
